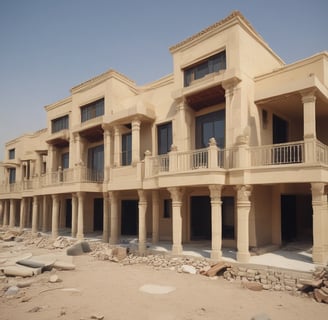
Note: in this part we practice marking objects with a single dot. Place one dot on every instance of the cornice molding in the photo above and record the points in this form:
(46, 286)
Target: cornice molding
(101, 78)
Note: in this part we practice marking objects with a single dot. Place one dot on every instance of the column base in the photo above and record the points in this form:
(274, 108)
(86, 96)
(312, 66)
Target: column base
(177, 249)
(80, 236)
(318, 256)
(243, 257)
(54, 235)
(113, 241)
(216, 254)
(105, 238)
(142, 248)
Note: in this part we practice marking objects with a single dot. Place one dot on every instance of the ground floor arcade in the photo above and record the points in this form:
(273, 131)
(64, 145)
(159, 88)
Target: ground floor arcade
(243, 217)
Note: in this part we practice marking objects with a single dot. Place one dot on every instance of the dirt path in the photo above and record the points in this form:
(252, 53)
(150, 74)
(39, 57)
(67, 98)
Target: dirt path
(102, 288)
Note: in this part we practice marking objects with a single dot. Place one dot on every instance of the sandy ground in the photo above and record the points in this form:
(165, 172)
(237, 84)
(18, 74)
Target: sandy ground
(97, 289)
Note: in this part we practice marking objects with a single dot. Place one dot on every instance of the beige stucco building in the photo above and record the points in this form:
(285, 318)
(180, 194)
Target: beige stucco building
(231, 148)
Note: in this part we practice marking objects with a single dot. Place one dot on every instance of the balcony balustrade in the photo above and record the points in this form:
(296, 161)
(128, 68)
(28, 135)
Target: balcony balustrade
(307, 152)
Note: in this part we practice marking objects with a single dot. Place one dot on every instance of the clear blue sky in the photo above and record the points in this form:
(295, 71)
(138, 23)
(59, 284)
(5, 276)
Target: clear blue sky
(49, 46)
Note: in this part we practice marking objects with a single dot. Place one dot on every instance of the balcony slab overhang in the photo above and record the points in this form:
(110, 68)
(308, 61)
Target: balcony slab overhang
(208, 90)
(59, 139)
(142, 111)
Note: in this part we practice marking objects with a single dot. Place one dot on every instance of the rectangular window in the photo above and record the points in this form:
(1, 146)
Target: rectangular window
(228, 218)
(92, 110)
(200, 70)
(211, 125)
(126, 149)
(65, 160)
(164, 138)
(167, 208)
(59, 124)
(11, 154)
(12, 175)
(96, 162)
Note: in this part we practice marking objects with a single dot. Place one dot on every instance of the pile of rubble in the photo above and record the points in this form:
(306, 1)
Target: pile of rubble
(39, 240)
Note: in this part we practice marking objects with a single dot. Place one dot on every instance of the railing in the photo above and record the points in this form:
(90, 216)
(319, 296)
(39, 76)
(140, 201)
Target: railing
(321, 153)
(277, 154)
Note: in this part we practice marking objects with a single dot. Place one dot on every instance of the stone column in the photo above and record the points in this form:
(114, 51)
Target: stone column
(183, 126)
(80, 213)
(12, 213)
(309, 126)
(142, 221)
(55, 216)
(107, 153)
(5, 214)
(243, 209)
(135, 141)
(113, 217)
(117, 147)
(35, 215)
(22, 214)
(216, 221)
(45, 214)
(155, 207)
(1, 212)
(74, 215)
(176, 195)
(106, 218)
(319, 207)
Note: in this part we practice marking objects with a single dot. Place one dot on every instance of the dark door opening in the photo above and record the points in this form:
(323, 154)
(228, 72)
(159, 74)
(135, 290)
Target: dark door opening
(68, 216)
(98, 215)
(129, 217)
(288, 218)
(200, 218)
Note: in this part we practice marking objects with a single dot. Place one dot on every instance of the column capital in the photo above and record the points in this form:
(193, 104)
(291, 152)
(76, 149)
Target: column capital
(142, 194)
(215, 191)
(176, 194)
(308, 96)
(243, 192)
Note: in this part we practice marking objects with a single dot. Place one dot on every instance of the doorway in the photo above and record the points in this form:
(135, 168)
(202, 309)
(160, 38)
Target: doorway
(129, 217)
(68, 216)
(200, 218)
(296, 218)
(98, 214)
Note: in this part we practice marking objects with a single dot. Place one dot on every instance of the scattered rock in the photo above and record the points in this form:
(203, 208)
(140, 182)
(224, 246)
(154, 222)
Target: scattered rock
(11, 291)
(78, 249)
(35, 309)
(97, 316)
(54, 278)
(188, 269)
(216, 268)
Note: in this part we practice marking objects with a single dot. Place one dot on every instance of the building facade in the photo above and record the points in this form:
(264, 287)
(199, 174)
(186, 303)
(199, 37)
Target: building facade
(231, 148)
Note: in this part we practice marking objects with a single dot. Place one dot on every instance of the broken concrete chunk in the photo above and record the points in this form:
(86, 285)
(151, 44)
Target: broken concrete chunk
(54, 278)
(216, 268)
(62, 265)
(20, 271)
(120, 253)
(24, 284)
(188, 269)
(311, 282)
(320, 295)
(254, 286)
(11, 291)
(97, 316)
(78, 249)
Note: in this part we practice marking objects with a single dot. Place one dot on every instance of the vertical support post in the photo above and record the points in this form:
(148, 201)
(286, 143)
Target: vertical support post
(142, 221)
(176, 195)
(106, 209)
(74, 215)
(55, 216)
(80, 215)
(155, 207)
(35, 215)
(243, 210)
(319, 208)
(216, 221)
(135, 141)
(113, 217)
(12, 213)
(22, 214)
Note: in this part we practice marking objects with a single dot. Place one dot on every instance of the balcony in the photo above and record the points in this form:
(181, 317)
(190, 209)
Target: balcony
(265, 163)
